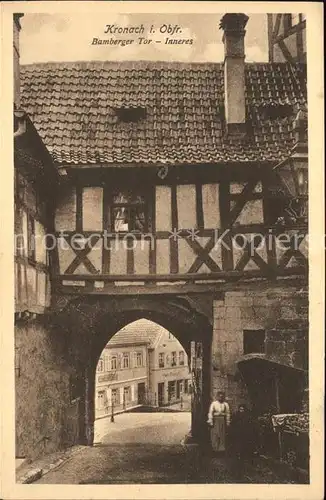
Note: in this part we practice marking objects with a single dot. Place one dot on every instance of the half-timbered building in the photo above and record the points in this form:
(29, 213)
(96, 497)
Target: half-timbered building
(35, 179)
(287, 38)
(169, 207)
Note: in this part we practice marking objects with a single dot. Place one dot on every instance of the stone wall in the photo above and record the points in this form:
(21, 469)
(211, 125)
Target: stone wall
(46, 420)
(281, 312)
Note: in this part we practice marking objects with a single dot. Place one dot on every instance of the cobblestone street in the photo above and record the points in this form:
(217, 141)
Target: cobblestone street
(143, 428)
(147, 448)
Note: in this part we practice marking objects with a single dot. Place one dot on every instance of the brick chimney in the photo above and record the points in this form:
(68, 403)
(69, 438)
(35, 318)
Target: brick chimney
(17, 29)
(233, 26)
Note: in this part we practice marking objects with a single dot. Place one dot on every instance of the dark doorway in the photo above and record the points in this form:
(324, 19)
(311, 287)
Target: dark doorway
(160, 389)
(141, 393)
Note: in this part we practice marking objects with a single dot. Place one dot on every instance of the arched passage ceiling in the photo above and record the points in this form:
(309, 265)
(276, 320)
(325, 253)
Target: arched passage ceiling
(90, 322)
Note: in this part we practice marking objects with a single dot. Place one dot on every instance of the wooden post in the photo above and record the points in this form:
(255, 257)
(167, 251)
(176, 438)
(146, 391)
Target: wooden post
(112, 411)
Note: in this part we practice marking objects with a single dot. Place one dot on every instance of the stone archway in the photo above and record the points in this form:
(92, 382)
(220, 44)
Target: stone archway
(90, 322)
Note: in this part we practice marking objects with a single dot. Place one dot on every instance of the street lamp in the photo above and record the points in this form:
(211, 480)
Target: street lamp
(293, 172)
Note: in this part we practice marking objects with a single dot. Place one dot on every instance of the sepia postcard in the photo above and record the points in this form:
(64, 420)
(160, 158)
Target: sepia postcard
(162, 271)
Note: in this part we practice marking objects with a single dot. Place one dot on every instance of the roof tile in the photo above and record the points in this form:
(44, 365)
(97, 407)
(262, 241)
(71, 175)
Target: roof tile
(73, 107)
(139, 332)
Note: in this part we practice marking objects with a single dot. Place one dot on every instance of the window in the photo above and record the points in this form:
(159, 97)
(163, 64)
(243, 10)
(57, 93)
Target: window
(126, 394)
(114, 363)
(125, 360)
(276, 203)
(115, 397)
(174, 358)
(100, 399)
(161, 360)
(100, 365)
(128, 212)
(253, 341)
(186, 386)
(181, 358)
(138, 359)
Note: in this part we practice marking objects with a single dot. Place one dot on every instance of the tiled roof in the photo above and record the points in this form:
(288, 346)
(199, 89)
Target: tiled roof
(141, 331)
(73, 107)
(29, 149)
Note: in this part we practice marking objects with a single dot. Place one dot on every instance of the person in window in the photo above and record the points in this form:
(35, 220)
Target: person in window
(243, 437)
(219, 417)
(121, 220)
(138, 219)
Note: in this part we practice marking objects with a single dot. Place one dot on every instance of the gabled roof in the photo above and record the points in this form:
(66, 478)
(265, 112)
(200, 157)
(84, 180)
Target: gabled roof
(140, 332)
(75, 108)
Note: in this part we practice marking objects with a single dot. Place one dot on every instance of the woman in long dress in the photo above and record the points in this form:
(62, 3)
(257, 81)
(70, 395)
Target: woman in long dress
(219, 417)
